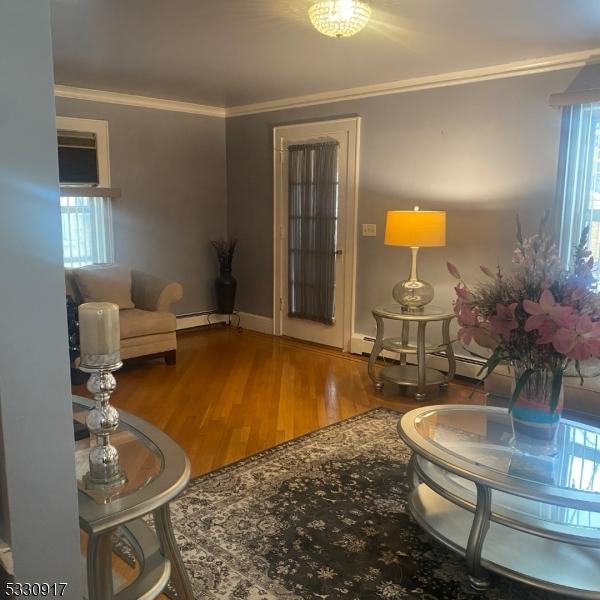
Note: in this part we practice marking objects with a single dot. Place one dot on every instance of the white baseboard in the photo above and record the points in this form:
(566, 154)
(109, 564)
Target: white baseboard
(467, 366)
(256, 323)
(190, 321)
(247, 321)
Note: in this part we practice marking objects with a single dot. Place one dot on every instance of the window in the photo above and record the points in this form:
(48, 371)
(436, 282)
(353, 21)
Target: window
(595, 208)
(313, 206)
(87, 230)
(579, 177)
(85, 198)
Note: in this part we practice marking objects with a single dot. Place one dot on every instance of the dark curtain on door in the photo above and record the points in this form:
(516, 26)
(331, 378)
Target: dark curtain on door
(312, 230)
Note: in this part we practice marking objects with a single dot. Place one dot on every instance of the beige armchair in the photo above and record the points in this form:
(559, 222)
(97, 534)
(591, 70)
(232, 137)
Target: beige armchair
(148, 327)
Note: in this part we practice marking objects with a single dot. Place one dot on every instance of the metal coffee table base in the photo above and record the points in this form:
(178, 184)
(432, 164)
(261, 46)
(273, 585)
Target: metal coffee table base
(553, 562)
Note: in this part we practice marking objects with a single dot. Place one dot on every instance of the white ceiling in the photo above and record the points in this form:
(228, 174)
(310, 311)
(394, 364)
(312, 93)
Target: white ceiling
(232, 52)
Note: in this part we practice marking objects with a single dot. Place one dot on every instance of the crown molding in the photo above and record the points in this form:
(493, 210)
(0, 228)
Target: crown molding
(556, 62)
(513, 69)
(77, 93)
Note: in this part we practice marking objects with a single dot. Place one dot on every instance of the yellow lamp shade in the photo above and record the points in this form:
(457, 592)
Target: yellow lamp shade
(415, 228)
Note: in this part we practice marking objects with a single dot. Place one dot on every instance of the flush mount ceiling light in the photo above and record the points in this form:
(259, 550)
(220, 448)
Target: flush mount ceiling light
(339, 18)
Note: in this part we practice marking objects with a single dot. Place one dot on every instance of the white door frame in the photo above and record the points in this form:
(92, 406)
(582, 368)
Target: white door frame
(319, 129)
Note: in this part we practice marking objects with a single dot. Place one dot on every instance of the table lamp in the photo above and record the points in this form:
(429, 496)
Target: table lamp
(414, 229)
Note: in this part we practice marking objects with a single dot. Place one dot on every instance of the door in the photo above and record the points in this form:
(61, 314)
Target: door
(315, 187)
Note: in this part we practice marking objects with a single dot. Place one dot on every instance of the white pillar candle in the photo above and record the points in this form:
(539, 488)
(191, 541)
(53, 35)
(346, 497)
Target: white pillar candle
(99, 334)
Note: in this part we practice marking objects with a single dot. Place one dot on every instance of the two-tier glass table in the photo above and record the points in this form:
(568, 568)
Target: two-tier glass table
(533, 518)
(419, 376)
(157, 470)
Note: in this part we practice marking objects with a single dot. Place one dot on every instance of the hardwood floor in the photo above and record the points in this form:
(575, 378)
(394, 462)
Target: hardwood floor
(234, 393)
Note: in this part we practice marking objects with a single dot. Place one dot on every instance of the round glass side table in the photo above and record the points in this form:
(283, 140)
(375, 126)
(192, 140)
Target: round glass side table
(419, 376)
(157, 470)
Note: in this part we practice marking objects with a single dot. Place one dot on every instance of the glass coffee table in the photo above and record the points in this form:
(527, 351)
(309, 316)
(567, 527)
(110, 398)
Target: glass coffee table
(534, 519)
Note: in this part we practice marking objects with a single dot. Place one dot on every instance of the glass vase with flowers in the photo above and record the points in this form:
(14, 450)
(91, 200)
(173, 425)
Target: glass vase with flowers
(539, 317)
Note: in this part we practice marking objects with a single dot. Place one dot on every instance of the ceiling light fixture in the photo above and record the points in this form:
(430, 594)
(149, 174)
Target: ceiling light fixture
(339, 18)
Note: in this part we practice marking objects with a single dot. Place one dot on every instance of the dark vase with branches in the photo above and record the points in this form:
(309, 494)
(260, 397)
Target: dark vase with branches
(225, 284)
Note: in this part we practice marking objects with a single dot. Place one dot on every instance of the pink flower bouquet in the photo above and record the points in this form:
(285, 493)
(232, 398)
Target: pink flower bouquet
(539, 316)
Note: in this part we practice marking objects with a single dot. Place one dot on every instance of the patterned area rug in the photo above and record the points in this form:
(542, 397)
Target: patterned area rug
(320, 517)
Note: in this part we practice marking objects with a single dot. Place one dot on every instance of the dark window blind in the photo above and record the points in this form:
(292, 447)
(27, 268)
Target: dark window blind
(77, 158)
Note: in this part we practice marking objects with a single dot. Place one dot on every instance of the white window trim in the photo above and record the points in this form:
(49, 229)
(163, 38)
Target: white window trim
(100, 129)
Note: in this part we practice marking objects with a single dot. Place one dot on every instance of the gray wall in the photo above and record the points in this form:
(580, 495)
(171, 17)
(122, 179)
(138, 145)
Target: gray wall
(37, 453)
(171, 169)
(483, 152)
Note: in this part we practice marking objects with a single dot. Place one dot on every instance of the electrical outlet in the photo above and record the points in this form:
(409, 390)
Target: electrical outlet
(369, 229)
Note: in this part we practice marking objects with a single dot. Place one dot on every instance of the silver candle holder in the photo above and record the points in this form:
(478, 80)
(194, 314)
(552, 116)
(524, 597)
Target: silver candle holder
(99, 339)
(102, 421)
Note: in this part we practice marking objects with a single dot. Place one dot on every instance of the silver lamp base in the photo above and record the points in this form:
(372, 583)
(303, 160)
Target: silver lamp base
(413, 295)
